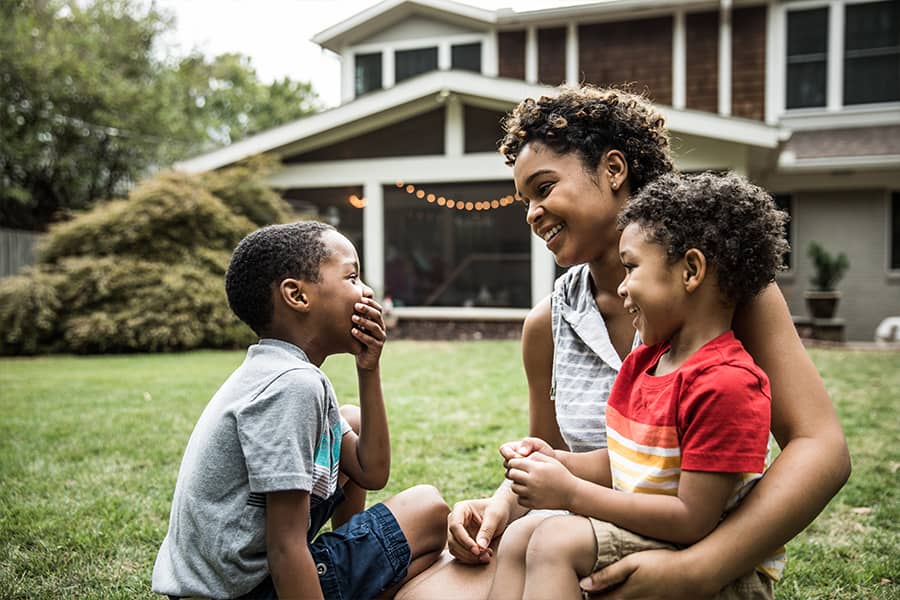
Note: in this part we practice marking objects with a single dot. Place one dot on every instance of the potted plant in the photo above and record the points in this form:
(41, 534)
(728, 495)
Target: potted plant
(823, 299)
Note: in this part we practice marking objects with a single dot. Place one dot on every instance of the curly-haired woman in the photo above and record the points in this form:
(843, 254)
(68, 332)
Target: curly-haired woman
(577, 158)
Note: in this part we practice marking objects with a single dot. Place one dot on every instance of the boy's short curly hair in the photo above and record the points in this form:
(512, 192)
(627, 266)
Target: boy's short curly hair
(733, 222)
(267, 257)
(592, 121)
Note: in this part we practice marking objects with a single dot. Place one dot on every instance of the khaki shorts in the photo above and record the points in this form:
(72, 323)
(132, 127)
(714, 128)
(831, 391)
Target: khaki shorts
(615, 543)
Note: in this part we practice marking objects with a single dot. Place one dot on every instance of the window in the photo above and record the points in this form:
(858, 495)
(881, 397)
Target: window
(895, 231)
(807, 58)
(409, 63)
(367, 73)
(872, 52)
(785, 202)
(466, 57)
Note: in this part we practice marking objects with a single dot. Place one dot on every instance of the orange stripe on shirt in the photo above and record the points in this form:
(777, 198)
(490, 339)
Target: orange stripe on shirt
(660, 436)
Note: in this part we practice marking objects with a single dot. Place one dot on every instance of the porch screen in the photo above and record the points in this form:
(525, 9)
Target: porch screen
(440, 256)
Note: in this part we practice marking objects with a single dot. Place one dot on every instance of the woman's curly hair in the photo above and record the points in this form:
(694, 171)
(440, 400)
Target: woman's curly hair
(592, 121)
(733, 222)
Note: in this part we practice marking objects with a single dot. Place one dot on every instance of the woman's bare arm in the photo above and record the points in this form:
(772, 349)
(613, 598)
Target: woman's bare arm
(537, 356)
(812, 467)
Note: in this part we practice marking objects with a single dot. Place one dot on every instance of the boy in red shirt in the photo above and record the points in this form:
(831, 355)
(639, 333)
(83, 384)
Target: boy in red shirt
(688, 416)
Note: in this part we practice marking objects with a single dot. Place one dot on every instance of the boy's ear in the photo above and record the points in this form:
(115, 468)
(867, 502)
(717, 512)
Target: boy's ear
(694, 269)
(294, 293)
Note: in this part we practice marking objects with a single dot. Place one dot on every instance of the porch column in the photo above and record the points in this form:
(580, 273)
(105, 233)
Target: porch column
(373, 237)
(454, 127)
(489, 57)
(543, 270)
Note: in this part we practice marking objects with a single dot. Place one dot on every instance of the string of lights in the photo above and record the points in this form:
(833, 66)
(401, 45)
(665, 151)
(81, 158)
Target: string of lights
(452, 203)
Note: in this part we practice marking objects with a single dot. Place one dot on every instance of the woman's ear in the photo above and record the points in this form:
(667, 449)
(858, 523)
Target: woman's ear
(294, 294)
(694, 269)
(615, 169)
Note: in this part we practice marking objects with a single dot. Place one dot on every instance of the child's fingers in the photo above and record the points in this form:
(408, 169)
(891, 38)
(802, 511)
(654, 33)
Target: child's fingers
(371, 304)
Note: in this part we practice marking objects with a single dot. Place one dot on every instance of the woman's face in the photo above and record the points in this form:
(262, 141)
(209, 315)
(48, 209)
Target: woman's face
(572, 210)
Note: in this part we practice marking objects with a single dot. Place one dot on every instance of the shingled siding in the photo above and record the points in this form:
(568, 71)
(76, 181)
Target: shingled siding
(636, 52)
(748, 62)
(422, 134)
(511, 50)
(552, 55)
(702, 61)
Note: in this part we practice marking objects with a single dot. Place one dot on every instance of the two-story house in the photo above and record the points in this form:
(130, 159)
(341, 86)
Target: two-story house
(802, 97)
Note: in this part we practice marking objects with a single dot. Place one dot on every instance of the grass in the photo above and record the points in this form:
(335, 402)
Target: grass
(90, 448)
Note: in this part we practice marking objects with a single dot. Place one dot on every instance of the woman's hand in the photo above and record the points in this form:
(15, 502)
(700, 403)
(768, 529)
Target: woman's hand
(650, 575)
(471, 527)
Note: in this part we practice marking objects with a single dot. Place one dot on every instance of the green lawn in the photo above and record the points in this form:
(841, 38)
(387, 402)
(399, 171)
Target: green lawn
(90, 447)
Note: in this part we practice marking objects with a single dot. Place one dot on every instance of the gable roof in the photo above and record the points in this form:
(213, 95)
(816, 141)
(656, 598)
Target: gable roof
(375, 18)
(474, 88)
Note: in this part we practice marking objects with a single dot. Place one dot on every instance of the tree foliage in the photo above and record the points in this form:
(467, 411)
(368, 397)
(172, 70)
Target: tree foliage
(141, 274)
(90, 101)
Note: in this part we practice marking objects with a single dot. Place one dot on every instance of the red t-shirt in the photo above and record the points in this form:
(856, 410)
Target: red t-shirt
(714, 412)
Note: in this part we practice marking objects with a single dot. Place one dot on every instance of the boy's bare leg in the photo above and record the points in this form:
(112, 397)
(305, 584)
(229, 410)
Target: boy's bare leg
(562, 550)
(421, 513)
(509, 580)
(354, 496)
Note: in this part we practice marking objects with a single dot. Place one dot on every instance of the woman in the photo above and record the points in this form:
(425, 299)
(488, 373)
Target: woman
(576, 159)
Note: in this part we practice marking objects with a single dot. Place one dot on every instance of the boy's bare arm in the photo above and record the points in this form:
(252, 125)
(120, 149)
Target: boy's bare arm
(544, 482)
(366, 458)
(290, 563)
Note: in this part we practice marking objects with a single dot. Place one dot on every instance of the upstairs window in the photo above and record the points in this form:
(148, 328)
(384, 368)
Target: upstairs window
(409, 63)
(872, 52)
(466, 57)
(367, 73)
(807, 57)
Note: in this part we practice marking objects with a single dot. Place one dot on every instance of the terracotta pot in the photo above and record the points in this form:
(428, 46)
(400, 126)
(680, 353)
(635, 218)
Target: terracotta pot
(822, 305)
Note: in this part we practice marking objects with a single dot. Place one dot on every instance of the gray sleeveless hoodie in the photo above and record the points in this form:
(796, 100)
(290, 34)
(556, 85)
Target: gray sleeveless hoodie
(585, 363)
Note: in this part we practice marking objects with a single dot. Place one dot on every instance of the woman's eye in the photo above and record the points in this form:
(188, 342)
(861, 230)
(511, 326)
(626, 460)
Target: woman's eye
(544, 189)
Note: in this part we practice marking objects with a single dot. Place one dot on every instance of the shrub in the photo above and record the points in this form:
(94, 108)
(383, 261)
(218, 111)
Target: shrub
(143, 274)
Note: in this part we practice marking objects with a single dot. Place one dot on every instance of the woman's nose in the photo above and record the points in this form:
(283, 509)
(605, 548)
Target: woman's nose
(535, 212)
(621, 290)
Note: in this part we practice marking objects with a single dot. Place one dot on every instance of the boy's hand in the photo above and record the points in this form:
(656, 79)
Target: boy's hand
(525, 447)
(369, 331)
(541, 481)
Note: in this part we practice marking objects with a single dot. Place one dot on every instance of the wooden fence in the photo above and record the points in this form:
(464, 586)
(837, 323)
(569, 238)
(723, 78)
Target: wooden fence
(16, 250)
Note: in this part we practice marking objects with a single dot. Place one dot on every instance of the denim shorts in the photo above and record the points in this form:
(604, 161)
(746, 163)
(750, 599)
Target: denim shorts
(358, 560)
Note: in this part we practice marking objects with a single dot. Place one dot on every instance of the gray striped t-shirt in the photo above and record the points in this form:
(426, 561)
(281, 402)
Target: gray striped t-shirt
(585, 362)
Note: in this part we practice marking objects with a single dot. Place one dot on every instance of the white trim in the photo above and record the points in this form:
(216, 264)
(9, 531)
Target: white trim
(422, 92)
(388, 67)
(679, 61)
(460, 313)
(490, 58)
(422, 43)
(725, 58)
(834, 84)
(573, 69)
(454, 127)
(789, 163)
(859, 115)
(348, 76)
(531, 55)
(444, 56)
(479, 166)
(775, 74)
(373, 236)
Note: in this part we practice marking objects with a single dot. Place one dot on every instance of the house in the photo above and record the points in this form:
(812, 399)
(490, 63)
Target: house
(802, 97)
